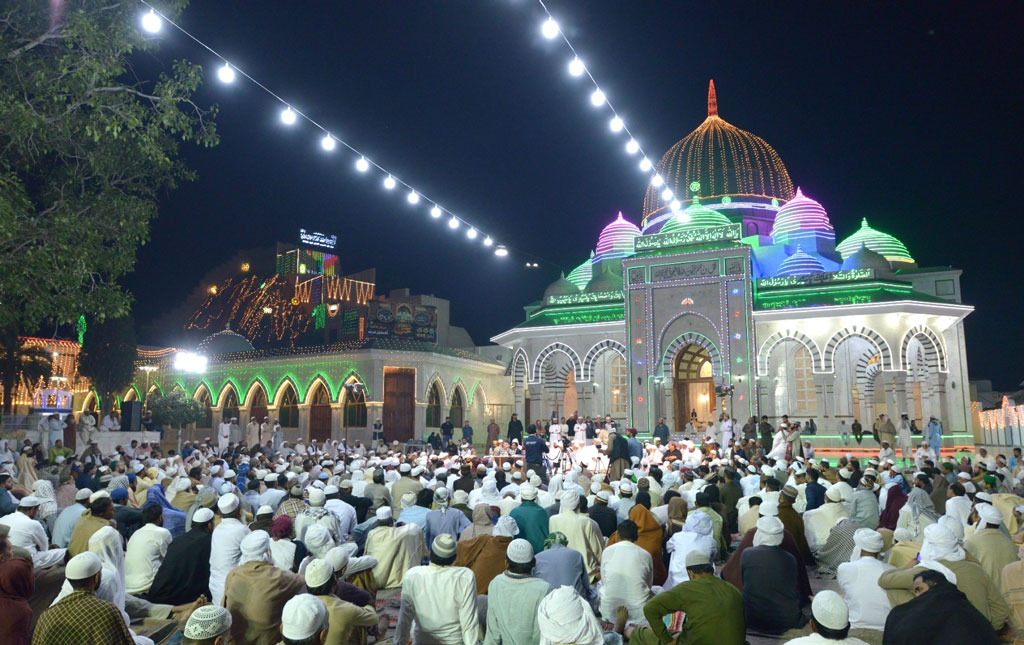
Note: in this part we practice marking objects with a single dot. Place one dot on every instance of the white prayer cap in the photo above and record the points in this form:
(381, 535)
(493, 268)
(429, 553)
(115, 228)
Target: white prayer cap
(404, 468)
(969, 487)
(228, 474)
(834, 494)
(769, 532)
(318, 572)
(506, 526)
(225, 489)
(506, 466)
(338, 557)
(441, 493)
(271, 477)
(626, 487)
(830, 611)
(751, 468)
(215, 469)
(963, 476)
(303, 617)
(1019, 509)
(444, 545)
(264, 510)
(208, 622)
(528, 491)
(227, 504)
(984, 496)
(517, 476)
(868, 540)
(30, 501)
(137, 467)
(768, 508)
(100, 494)
(317, 497)
(627, 472)
(102, 469)
(330, 489)
(767, 471)
(697, 558)
(595, 488)
(417, 471)
(60, 459)
(604, 496)
(82, 566)
(989, 514)
(384, 513)
(903, 535)
(280, 469)
(408, 500)
(460, 497)
(202, 515)
(519, 551)
(83, 495)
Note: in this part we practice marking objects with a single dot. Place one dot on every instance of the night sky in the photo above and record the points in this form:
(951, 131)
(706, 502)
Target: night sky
(906, 114)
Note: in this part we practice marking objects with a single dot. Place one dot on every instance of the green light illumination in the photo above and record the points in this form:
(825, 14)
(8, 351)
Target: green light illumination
(582, 274)
(882, 243)
(694, 217)
(815, 278)
(685, 237)
(585, 298)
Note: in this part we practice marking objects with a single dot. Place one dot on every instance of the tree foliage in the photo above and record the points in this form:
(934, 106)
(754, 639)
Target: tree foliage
(108, 358)
(21, 363)
(85, 150)
(175, 409)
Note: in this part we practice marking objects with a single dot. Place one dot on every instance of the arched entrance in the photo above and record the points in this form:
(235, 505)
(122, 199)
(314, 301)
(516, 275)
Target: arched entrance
(320, 414)
(230, 405)
(693, 385)
(457, 409)
(258, 404)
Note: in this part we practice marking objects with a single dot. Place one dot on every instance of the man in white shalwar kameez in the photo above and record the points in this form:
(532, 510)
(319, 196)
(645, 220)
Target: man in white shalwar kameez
(627, 573)
(225, 545)
(223, 436)
(858, 581)
(818, 523)
(26, 532)
(396, 548)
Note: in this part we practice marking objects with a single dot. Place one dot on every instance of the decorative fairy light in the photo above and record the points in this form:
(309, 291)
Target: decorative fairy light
(551, 30)
(152, 22)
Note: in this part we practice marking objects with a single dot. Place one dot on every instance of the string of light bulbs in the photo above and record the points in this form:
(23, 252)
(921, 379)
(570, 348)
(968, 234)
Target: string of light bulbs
(551, 30)
(152, 23)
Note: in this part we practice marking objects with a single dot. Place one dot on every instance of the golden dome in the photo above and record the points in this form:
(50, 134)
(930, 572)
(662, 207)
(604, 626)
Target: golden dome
(719, 160)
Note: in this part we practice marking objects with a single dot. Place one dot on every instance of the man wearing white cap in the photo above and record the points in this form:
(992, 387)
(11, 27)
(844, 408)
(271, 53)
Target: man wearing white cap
(256, 591)
(858, 580)
(819, 522)
(513, 598)
(344, 619)
(68, 517)
(145, 551)
(101, 511)
(225, 549)
(989, 545)
(316, 513)
(439, 600)
(627, 573)
(396, 548)
(81, 617)
(304, 620)
(830, 622)
(26, 532)
(208, 625)
(406, 484)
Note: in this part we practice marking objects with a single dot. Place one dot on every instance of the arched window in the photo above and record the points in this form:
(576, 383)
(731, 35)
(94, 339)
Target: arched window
(617, 376)
(803, 381)
(258, 404)
(288, 410)
(457, 409)
(230, 406)
(207, 403)
(434, 406)
(355, 407)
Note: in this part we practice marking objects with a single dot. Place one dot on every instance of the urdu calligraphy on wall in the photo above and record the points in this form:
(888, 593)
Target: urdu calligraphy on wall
(684, 270)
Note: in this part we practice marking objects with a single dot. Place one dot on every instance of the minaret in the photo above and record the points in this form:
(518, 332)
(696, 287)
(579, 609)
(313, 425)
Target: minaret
(712, 99)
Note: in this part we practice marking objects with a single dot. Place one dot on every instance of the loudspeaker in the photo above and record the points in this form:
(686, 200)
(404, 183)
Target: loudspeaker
(131, 416)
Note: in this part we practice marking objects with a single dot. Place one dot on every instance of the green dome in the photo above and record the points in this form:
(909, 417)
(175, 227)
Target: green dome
(582, 274)
(882, 243)
(695, 216)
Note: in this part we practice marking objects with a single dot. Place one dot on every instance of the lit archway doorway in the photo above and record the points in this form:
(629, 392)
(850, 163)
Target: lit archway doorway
(693, 386)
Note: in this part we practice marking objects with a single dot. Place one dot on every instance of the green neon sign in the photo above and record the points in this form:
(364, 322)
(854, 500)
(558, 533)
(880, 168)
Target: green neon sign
(584, 298)
(815, 278)
(724, 233)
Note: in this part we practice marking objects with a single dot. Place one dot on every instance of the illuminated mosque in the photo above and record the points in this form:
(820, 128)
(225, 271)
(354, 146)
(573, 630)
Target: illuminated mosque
(734, 296)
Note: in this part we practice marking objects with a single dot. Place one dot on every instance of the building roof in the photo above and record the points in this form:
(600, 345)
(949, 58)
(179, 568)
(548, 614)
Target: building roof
(800, 263)
(224, 342)
(801, 215)
(348, 346)
(891, 248)
(693, 217)
(616, 239)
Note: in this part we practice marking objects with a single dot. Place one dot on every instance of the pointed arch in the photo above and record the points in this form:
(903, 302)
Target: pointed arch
(202, 389)
(545, 354)
(435, 378)
(789, 334)
(353, 402)
(91, 401)
(457, 406)
(256, 388)
(286, 399)
(934, 351)
(321, 379)
(607, 345)
(282, 388)
(434, 397)
(359, 377)
(155, 387)
(132, 394)
(870, 335)
(226, 388)
(477, 387)
(202, 394)
(691, 338)
(518, 367)
(460, 388)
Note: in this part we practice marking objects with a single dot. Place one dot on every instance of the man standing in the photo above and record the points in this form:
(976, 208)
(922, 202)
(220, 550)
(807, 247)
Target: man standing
(661, 431)
(767, 433)
(252, 432)
(515, 429)
(223, 436)
(935, 435)
(534, 447)
(886, 430)
(378, 434)
(858, 430)
(467, 432)
(513, 597)
(439, 600)
(447, 430)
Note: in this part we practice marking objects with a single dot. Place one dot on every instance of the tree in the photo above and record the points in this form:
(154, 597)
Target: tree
(85, 149)
(175, 410)
(21, 363)
(108, 358)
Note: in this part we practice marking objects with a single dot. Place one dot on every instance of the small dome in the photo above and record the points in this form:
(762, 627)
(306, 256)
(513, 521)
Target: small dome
(801, 216)
(888, 246)
(609, 278)
(560, 287)
(581, 275)
(693, 217)
(616, 239)
(800, 263)
(224, 342)
(865, 258)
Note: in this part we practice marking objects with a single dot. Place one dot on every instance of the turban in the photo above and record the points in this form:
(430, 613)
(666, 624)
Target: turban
(408, 500)
(768, 508)
(833, 494)
(506, 527)
(318, 540)
(282, 527)
(699, 523)
(954, 525)
(255, 547)
(563, 616)
(866, 540)
(569, 501)
(941, 544)
(989, 514)
(769, 532)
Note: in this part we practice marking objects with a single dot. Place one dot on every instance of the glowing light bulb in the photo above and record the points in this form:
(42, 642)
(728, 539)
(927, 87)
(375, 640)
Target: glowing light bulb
(413, 197)
(657, 181)
(453, 223)
(488, 241)
(632, 147)
(471, 233)
(226, 74)
(327, 143)
(501, 251)
(616, 125)
(549, 28)
(645, 164)
(152, 22)
(362, 165)
(597, 98)
(288, 116)
(676, 205)
(576, 67)
(666, 194)
(389, 182)
(435, 212)
(683, 217)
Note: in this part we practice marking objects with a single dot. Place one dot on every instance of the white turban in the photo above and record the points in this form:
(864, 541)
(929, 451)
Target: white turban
(953, 524)
(506, 527)
(941, 544)
(255, 547)
(769, 532)
(866, 540)
(564, 617)
(318, 540)
(768, 508)
(569, 501)
(989, 514)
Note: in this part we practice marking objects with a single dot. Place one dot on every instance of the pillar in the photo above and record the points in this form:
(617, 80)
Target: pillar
(303, 430)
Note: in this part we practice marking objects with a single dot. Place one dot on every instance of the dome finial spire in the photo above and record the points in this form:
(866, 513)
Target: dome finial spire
(712, 99)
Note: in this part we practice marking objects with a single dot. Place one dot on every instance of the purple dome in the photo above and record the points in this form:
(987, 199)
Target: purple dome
(616, 239)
